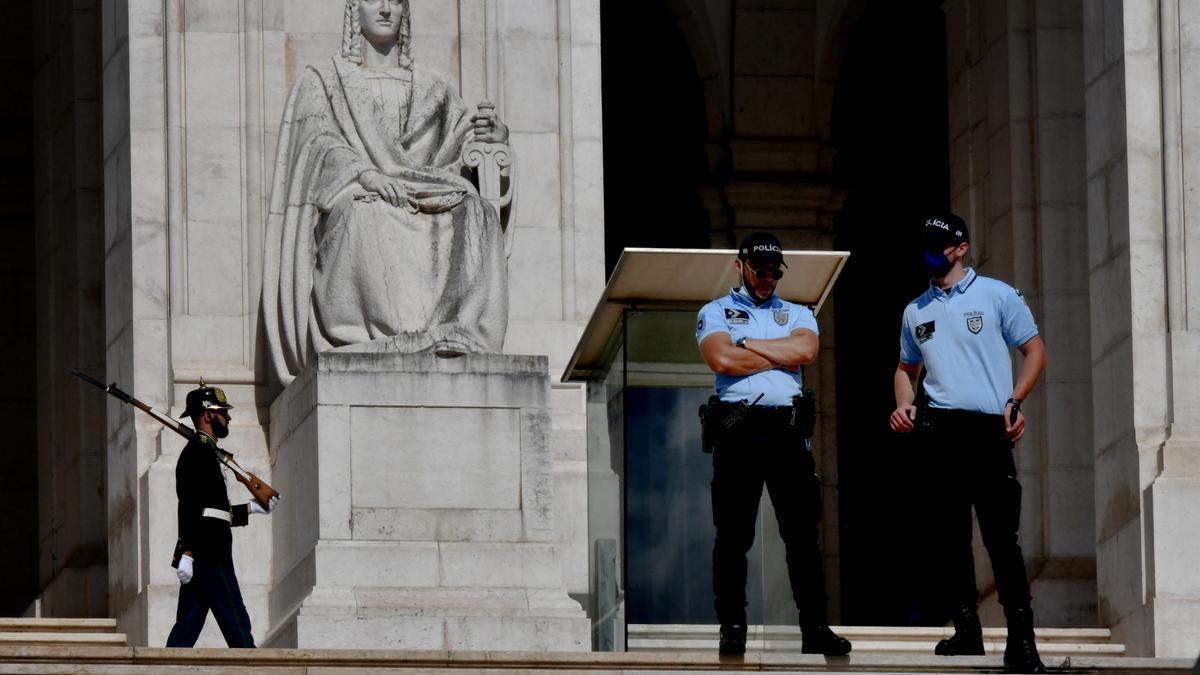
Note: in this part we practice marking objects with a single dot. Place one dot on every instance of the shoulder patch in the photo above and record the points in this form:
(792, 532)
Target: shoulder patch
(925, 332)
(737, 316)
(700, 325)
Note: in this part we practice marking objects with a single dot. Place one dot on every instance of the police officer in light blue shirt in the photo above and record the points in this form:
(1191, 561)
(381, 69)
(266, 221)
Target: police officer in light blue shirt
(961, 331)
(760, 424)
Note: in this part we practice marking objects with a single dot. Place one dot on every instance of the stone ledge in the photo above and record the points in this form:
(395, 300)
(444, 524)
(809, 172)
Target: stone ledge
(156, 660)
(368, 358)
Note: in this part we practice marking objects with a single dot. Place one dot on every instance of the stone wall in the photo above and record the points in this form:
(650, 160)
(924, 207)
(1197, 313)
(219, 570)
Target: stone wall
(67, 251)
(1017, 148)
(1141, 100)
(194, 94)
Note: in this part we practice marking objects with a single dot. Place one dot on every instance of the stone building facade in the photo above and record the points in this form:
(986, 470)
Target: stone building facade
(1062, 131)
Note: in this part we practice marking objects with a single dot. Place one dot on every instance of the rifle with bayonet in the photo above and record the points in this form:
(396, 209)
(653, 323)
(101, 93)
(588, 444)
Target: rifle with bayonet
(260, 490)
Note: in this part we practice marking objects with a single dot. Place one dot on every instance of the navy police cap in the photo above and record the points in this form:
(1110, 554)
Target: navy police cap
(944, 229)
(761, 249)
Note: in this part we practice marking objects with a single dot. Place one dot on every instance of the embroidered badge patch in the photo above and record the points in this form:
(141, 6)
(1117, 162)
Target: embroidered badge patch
(925, 332)
(974, 321)
(737, 316)
(781, 316)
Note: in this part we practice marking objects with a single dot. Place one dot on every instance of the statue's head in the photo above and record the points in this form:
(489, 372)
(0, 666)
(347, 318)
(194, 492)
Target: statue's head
(377, 21)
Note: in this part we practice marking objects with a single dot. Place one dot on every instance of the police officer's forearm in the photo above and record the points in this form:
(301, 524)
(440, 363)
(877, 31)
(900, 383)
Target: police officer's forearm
(725, 358)
(905, 387)
(736, 361)
(1034, 351)
(794, 350)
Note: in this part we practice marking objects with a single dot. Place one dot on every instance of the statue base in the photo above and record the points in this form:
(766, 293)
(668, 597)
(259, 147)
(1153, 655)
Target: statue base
(417, 507)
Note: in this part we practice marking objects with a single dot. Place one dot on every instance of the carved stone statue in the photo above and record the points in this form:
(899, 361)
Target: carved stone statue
(376, 234)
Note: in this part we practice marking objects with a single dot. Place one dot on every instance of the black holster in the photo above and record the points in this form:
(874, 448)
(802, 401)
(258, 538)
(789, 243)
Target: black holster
(805, 407)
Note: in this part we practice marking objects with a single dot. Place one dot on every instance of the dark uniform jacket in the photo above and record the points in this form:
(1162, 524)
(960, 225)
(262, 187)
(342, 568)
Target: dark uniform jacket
(200, 484)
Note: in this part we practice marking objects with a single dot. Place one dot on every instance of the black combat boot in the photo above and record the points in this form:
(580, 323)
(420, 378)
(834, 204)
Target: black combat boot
(1021, 654)
(819, 639)
(968, 635)
(733, 640)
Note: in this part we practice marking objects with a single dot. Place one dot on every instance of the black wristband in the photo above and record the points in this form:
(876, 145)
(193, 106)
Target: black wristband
(1016, 403)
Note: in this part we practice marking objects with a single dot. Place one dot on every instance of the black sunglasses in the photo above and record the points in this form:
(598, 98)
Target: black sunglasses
(764, 273)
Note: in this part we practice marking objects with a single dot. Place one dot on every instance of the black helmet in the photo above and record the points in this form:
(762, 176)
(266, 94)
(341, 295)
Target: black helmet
(204, 398)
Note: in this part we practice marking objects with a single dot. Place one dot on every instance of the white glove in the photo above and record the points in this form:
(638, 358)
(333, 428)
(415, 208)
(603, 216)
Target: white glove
(184, 571)
(255, 507)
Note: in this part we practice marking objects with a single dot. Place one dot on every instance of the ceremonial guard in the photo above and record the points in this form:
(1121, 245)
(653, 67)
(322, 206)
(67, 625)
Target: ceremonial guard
(759, 428)
(204, 552)
(961, 331)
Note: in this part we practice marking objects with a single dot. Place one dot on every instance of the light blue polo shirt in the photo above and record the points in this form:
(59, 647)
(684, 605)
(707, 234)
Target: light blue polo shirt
(737, 315)
(964, 339)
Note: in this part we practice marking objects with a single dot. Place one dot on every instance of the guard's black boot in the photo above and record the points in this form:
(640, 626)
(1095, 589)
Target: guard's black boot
(968, 635)
(1021, 654)
(733, 640)
(820, 640)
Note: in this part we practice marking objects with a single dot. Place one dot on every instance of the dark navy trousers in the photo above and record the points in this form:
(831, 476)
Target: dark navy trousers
(213, 587)
(765, 449)
(970, 464)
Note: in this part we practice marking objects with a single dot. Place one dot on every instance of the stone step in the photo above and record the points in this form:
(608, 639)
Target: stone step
(914, 633)
(872, 646)
(63, 638)
(125, 660)
(8, 625)
(868, 639)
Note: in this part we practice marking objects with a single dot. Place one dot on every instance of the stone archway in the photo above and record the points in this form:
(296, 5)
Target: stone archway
(655, 131)
(705, 27)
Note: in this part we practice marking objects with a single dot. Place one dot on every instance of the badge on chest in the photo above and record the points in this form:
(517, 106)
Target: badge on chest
(974, 321)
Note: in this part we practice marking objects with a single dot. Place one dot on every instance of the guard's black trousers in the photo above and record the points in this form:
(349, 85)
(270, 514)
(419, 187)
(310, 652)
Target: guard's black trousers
(972, 465)
(764, 448)
(212, 587)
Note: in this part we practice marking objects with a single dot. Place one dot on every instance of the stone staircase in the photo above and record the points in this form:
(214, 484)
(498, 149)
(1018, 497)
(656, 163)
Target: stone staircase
(916, 641)
(90, 632)
(93, 646)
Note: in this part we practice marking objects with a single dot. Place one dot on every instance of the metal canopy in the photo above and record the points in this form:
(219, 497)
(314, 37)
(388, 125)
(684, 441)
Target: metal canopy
(687, 279)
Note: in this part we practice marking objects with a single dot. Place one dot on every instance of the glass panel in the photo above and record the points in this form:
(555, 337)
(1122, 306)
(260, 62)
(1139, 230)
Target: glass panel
(606, 468)
(669, 524)
(650, 513)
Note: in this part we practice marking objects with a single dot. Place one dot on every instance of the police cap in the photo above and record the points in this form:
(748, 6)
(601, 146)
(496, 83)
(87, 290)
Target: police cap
(943, 229)
(761, 249)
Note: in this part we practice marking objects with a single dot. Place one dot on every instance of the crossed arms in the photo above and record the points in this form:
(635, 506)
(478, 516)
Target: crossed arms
(788, 353)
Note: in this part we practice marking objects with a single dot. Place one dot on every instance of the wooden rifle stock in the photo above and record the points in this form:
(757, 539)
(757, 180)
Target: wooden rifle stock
(261, 492)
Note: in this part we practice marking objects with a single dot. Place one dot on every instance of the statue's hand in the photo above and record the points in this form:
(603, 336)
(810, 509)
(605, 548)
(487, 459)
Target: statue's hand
(391, 189)
(488, 127)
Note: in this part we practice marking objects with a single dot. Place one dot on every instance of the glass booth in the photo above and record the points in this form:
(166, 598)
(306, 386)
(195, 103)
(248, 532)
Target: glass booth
(650, 527)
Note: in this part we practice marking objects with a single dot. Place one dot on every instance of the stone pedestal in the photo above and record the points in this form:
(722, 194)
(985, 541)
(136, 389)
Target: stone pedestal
(419, 495)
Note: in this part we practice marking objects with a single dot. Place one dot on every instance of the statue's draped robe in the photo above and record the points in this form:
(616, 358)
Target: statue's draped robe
(343, 267)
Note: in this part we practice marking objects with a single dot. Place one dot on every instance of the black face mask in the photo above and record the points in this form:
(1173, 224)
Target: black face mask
(936, 264)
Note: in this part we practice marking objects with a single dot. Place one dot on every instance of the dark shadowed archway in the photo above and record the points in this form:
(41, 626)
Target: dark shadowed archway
(655, 127)
(890, 123)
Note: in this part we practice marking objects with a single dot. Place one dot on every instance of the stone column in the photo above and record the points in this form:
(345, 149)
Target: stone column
(1017, 148)
(1142, 101)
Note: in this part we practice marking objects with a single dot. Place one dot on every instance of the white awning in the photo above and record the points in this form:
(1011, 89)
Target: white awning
(652, 278)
